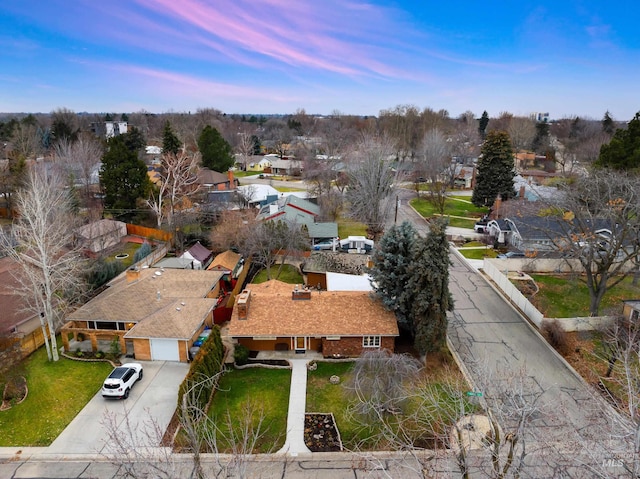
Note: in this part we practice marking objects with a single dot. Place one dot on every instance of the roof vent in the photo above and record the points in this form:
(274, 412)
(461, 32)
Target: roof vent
(177, 309)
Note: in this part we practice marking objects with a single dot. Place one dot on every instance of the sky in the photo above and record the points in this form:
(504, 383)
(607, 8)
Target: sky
(565, 57)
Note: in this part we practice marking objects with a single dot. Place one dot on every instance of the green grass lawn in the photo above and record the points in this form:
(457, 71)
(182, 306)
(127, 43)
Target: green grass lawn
(324, 397)
(287, 189)
(479, 253)
(127, 248)
(267, 390)
(565, 296)
(289, 274)
(57, 393)
(454, 206)
(348, 227)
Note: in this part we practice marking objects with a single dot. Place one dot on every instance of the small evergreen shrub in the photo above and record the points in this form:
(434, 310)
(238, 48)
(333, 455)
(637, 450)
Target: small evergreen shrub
(241, 354)
(143, 252)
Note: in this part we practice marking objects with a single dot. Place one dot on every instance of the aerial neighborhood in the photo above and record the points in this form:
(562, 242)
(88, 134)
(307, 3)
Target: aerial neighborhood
(450, 295)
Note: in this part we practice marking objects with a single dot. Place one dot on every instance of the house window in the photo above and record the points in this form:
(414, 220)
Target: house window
(635, 314)
(370, 341)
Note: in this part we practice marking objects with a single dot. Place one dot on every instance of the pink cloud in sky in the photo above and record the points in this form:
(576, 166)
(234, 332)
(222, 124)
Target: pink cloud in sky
(165, 82)
(317, 35)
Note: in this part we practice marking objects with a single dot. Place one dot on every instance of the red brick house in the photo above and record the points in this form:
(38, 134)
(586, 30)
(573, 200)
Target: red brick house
(276, 316)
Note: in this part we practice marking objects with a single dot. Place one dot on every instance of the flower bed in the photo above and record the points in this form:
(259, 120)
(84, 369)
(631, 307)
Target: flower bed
(321, 433)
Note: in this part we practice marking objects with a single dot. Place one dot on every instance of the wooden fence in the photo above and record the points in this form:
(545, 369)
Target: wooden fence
(150, 233)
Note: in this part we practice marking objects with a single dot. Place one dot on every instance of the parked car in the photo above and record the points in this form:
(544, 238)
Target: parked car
(121, 380)
(480, 226)
(327, 244)
(511, 254)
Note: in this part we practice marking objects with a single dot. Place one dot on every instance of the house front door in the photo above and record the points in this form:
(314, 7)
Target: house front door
(300, 344)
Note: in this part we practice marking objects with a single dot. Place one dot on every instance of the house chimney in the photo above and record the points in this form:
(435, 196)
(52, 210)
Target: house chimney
(133, 274)
(231, 179)
(521, 192)
(298, 294)
(242, 303)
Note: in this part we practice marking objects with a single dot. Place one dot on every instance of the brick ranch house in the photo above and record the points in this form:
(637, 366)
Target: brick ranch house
(275, 316)
(155, 313)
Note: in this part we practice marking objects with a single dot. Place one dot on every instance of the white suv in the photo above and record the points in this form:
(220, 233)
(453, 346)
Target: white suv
(121, 380)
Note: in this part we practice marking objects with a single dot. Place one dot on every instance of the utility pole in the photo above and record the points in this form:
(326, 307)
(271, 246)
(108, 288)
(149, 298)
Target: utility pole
(395, 220)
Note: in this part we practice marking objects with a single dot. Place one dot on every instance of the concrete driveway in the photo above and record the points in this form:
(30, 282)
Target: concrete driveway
(152, 400)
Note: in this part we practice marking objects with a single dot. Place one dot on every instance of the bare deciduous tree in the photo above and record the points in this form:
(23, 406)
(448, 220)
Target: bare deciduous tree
(80, 159)
(521, 131)
(434, 160)
(244, 148)
(371, 183)
(41, 243)
(178, 180)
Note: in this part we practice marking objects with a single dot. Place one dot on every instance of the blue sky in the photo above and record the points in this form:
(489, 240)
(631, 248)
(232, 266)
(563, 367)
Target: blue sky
(277, 56)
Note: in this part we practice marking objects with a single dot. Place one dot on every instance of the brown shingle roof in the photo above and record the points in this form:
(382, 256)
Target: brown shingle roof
(177, 320)
(272, 312)
(228, 259)
(137, 300)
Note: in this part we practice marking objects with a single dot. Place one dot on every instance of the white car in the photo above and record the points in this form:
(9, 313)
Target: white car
(121, 380)
(329, 245)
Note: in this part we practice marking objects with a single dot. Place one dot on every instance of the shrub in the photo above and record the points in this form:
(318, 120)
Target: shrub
(241, 354)
(115, 347)
(143, 252)
(205, 368)
(79, 353)
(556, 336)
(99, 355)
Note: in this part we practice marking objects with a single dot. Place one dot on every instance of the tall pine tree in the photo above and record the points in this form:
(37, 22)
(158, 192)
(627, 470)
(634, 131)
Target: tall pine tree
(623, 151)
(170, 142)
(123, 176)
(216, 152)
(428, 287)
(390, 272)
(495, 170)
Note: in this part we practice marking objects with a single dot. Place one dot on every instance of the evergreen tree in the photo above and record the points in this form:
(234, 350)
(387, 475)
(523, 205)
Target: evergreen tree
(495, 170)
(170, 142)
(133, 139)
(623, 151)
(390, 272)
(482, 124)
(608, 126)
(123, 175)
(428, 286)
(541, 140)
(216, 152)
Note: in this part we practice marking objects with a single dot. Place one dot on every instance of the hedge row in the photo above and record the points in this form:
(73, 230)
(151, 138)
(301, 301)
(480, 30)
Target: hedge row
(203, 374)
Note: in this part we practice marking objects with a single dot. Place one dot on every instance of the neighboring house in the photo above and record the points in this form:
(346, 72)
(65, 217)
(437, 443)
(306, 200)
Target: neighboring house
(200, 256)
(631, 309)
(259, 195)
(464, 176)
(276, 316)
(500, 230)
(15, 320)
(154, 314)
(230, 264)
(322, 232)
(176, 263)
(286, 167)
(100, 235)
(291, 209)
(318, 268)
(109, 129)
(210, 180)
(260, 163)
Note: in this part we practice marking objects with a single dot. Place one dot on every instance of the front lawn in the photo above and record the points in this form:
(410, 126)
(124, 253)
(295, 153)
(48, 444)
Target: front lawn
(454, 207)
(567, 296)
(57, 393)
(324, 397)
(289, 274)
(261, 391)
(348, 227)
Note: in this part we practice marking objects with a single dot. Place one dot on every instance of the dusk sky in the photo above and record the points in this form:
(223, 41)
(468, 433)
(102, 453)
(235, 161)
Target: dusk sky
(564, 57)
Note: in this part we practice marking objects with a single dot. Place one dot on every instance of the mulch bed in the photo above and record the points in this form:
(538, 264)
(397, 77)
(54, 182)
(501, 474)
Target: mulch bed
(321, 433)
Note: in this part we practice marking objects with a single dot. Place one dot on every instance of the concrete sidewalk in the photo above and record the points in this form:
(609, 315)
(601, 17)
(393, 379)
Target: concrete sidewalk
(294, 443)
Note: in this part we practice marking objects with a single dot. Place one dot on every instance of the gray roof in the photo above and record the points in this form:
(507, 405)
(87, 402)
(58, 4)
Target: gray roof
(323, 230)
(175, 263)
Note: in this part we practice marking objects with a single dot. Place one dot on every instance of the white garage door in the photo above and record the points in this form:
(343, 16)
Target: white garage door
(164, 350)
